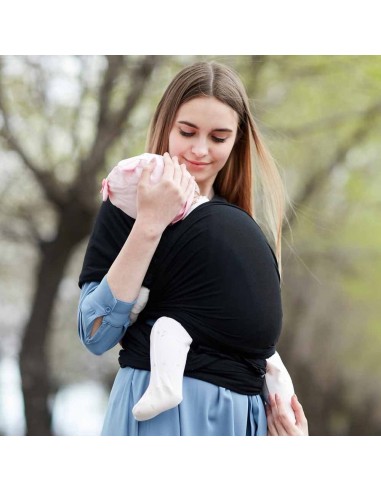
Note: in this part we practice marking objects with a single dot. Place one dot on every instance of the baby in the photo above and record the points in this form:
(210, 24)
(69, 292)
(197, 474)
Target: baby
(169, 341)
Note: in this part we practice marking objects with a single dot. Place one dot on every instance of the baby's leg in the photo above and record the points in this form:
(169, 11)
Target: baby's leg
(170, 344)
(278, 380)
(140, 304)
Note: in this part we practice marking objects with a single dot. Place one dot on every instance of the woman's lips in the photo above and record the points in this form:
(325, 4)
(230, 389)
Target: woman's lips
(196, 163)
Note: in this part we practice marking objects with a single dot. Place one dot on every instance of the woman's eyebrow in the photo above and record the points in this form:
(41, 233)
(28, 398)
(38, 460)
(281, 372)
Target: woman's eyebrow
(196, 127)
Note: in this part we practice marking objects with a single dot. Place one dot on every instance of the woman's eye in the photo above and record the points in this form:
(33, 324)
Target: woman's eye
(186, 134)
(191, 134)
(220, 140)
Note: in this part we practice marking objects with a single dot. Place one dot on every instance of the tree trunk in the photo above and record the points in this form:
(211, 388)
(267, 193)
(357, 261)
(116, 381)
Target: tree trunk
(74, 225)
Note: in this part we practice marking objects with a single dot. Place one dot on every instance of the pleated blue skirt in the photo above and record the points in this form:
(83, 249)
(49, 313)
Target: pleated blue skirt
(206, 410)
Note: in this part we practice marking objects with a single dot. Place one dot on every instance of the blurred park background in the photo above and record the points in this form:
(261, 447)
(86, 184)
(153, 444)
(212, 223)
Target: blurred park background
(65, 121)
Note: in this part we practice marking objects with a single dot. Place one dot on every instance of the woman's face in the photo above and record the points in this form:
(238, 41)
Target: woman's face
(202, 137)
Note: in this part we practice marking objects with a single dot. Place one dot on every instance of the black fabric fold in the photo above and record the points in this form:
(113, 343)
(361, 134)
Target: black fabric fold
(110, 231)
(215, 273)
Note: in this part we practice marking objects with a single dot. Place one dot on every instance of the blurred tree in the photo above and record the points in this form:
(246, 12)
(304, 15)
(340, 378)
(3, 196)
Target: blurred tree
(72, 201)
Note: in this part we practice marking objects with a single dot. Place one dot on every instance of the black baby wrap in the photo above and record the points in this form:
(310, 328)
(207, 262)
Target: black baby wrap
(214, 273)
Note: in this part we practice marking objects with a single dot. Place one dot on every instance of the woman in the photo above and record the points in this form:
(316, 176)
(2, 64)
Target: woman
(203, 121)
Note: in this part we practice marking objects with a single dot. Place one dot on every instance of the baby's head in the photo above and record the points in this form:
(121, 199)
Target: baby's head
(120, 186)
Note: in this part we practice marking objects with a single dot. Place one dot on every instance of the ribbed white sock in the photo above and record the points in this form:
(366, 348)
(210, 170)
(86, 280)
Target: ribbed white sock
(170, 344)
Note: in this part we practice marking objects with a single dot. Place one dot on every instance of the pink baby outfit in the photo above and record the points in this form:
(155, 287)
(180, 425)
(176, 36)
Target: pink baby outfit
(120, 186)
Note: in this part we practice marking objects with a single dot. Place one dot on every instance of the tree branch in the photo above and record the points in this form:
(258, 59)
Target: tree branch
(77, 113)
(9, 232)
(115, 64)
(324, 123)
(53, 191)
(139, 79)
(110, 126)
(317, 180)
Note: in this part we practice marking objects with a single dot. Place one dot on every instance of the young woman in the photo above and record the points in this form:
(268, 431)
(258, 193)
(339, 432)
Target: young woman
(203, 121)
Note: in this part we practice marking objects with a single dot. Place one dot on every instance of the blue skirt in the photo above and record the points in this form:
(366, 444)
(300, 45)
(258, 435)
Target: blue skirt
(206, 410)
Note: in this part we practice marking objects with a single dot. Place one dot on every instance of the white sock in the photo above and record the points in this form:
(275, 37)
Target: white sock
(278, 380)
(170, 344)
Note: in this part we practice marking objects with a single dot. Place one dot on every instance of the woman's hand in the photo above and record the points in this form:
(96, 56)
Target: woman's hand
(159, 203)
(278, 424)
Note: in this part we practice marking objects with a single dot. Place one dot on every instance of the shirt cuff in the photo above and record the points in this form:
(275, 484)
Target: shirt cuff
(101, 302)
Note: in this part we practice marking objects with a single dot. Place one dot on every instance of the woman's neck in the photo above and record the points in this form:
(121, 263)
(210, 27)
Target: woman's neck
(206, 189)
(209, 193)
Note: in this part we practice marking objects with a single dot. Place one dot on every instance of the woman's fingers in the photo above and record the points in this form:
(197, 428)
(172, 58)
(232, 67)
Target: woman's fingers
(173, 172)
(187, 181)
(280, 417)
(300, 417)
(271, 429)
(272, 412)
(146, 172)
(179, 176)
(280, 421)
(185, 175)
(169, 167)
(177, 172)
(283, 417)
(190, 188)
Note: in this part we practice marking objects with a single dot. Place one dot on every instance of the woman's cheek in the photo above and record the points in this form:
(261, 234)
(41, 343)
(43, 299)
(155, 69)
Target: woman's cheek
(174, 146)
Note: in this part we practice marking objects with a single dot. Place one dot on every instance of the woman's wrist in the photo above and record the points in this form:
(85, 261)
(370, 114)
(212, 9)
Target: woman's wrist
(149, 230)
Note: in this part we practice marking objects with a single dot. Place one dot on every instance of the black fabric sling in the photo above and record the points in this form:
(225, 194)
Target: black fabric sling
(213, 272)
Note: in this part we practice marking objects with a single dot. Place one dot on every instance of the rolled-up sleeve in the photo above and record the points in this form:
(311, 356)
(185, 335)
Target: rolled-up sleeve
(96, 301)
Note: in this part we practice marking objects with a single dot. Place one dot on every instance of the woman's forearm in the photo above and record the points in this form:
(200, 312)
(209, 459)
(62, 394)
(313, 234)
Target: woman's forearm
(127, 273)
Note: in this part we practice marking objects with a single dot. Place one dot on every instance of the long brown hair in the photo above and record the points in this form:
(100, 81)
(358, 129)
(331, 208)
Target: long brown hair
(250, 178)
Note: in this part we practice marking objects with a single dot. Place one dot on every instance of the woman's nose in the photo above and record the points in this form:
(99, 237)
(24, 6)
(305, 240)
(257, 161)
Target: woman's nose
(200, 148)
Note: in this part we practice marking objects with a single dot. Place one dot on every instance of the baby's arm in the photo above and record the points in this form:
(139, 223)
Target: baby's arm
(278, 380)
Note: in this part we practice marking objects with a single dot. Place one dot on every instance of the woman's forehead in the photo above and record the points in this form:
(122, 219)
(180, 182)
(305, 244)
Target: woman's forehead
(207, 111)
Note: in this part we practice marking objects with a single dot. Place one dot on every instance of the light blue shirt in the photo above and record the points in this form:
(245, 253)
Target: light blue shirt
(206, 409)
